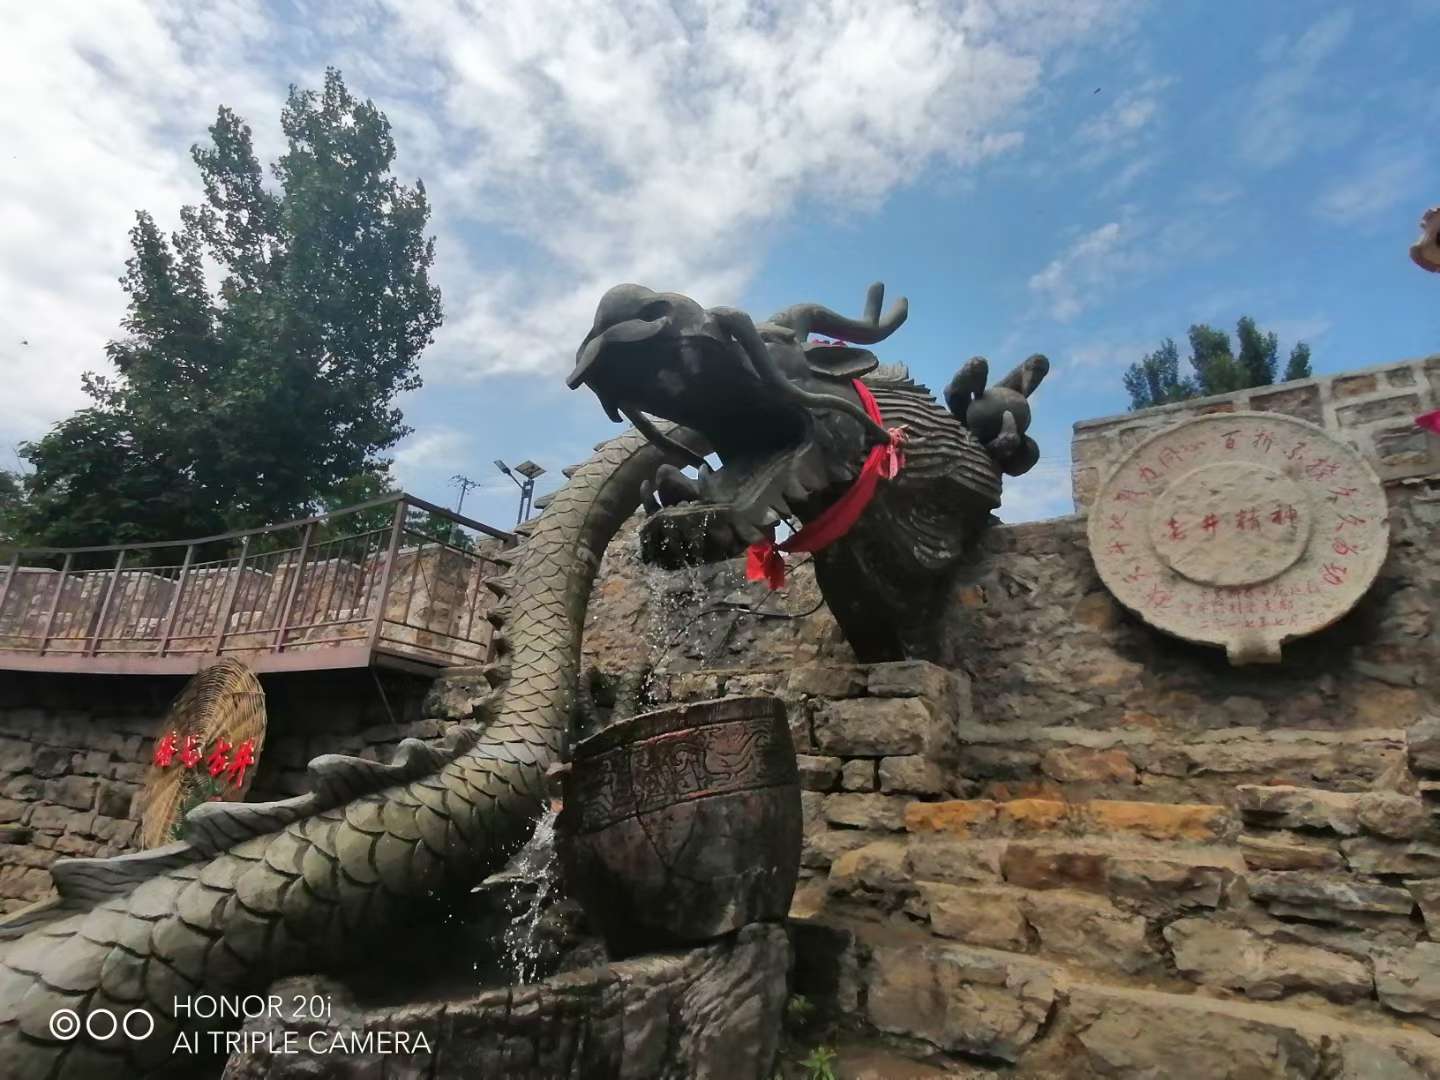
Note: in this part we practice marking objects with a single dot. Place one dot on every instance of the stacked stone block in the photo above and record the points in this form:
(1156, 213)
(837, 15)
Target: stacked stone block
(67, 792)
(75, 752)
(1075, 921)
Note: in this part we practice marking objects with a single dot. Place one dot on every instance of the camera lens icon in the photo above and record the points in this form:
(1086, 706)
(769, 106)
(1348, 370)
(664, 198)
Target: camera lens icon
(101, 1024)
(64, 1024)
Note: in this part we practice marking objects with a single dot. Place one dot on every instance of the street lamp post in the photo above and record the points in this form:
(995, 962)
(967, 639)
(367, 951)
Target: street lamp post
(529, 470)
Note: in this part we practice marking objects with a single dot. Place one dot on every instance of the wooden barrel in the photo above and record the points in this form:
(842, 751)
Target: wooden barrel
(683, 824)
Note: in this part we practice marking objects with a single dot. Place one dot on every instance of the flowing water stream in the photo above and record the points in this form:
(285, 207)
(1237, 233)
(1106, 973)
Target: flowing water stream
(529, 882)
(535, 867)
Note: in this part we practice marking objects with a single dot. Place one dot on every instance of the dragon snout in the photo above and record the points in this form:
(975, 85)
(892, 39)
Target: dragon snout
(628, 332)
(630, 315)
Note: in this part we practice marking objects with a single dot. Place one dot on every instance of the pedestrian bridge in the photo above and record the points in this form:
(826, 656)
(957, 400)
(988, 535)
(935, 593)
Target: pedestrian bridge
(396, 582)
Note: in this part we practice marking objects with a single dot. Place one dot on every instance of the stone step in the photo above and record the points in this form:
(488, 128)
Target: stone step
(1052, 760)
(1181, 822)
(1049, 1018)
(1129, 1032)
(1388, 814)
(1145, 879)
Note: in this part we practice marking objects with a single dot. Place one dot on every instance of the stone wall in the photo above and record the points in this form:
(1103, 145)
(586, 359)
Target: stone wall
(1092, 925)
(1372, 409)
(708, 618)
(1088, 849)
(1065, 677)
(1057, 663)
(75, 751)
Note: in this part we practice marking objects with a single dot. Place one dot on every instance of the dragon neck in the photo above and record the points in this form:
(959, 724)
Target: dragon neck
(548, 590)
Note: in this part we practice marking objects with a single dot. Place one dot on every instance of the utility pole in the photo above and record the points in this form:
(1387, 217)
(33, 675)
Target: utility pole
(464, 483)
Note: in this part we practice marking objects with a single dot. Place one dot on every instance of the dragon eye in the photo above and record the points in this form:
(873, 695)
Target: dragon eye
(656, 309)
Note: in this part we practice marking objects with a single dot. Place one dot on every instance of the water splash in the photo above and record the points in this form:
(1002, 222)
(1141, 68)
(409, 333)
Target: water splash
(534, 867)
(675, 603)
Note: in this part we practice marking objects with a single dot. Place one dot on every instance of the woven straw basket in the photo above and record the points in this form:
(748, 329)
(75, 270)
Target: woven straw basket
(223, 701)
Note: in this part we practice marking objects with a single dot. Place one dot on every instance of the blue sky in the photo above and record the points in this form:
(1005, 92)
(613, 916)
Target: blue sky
(1076, 178)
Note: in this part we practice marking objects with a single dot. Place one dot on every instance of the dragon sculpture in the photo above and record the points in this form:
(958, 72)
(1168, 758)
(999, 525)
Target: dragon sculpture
(785, 418)
(257, 891)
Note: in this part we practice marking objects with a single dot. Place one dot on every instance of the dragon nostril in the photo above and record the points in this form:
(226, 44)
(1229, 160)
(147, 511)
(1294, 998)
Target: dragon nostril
(656, 309)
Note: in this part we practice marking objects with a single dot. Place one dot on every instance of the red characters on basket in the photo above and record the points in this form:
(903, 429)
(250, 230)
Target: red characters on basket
(170, 750)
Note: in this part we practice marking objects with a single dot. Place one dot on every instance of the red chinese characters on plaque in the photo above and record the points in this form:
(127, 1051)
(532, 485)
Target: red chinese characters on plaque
(1242, 530)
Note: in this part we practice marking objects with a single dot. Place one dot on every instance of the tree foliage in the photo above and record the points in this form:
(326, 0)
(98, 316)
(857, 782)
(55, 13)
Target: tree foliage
(1215, 367)
(267, 396)
(1156, 378)
(1298, 366)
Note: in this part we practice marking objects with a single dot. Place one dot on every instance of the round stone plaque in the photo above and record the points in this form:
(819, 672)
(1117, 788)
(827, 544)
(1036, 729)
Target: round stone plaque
(1240, 529)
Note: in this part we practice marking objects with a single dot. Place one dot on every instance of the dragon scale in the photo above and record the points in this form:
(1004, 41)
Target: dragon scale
(262, 890)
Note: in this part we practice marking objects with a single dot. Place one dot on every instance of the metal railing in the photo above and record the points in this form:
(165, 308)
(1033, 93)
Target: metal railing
(393, 580)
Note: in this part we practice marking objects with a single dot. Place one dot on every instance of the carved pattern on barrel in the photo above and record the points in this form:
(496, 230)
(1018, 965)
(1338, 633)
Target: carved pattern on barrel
(684, 824)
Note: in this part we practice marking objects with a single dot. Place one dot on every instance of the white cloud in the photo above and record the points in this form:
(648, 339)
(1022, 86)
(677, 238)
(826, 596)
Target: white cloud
(1108, 355)
(648, 141)
(1043, 492)
(1124, 129)
(1375, 187)
(1307, 329)
(1279, 114)
(99, 104)
(1071, 281)
(1127, 251)
(657, 143)
(423, 452)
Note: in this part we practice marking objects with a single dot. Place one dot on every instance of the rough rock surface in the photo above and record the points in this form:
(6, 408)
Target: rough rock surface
(1074, 695)
(75, 753)
(711, 1013)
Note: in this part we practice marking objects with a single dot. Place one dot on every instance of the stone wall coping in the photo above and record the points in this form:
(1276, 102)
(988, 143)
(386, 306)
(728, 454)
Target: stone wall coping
(1294, 384)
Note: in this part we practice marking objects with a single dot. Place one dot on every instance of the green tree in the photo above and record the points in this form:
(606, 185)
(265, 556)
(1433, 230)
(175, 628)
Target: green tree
(1299, 364)
(1257, 353)
(1155, 379)
(1216, 371)
(266, 397)
(10, 494)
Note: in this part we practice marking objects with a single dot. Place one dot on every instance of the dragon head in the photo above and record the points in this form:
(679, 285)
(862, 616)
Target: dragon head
(780, 412)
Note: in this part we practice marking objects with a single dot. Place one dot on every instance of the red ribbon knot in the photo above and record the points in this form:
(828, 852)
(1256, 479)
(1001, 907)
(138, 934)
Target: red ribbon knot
(765, 561)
